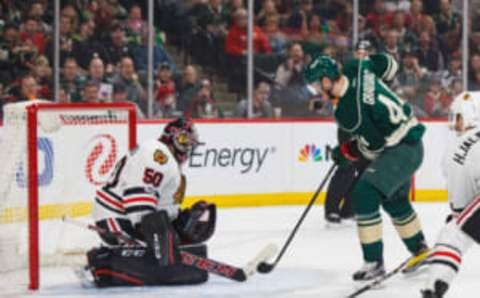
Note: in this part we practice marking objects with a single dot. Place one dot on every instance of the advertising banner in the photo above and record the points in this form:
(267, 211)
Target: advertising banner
(234, 161)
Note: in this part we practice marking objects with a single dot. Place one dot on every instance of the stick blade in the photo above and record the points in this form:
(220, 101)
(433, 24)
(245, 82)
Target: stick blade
(267, 253)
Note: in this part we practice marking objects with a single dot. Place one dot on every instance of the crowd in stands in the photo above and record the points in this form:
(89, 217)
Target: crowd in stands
(200, 45)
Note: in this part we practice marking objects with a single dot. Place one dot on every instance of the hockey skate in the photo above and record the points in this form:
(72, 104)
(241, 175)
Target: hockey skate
(441, 288)
(333, 218)
(85, 276)
(369, 271)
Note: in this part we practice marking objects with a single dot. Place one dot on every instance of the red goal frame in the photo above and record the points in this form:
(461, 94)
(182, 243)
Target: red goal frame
(32, 165)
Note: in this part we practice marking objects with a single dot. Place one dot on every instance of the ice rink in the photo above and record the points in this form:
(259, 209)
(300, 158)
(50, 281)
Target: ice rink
(318, 264)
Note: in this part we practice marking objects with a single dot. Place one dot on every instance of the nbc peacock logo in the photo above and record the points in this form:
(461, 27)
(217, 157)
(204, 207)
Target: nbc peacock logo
(310, 152)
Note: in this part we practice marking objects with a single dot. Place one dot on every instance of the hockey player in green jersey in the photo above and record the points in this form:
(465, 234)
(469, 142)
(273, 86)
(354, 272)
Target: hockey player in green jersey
(386, 133)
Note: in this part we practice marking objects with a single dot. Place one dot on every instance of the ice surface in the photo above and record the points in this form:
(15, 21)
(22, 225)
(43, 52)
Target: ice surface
(318, 264)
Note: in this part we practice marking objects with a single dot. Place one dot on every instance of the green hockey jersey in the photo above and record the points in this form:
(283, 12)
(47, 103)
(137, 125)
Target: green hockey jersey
(370, 111)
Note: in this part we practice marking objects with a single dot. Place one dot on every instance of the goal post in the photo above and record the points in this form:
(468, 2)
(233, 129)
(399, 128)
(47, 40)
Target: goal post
(30, 127)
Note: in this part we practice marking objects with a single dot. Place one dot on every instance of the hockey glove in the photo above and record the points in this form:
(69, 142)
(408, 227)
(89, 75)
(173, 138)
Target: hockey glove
(196, 224)
(345, 153)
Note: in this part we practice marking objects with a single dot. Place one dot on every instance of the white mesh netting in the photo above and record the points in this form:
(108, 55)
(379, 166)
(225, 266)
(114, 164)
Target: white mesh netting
(77, 148)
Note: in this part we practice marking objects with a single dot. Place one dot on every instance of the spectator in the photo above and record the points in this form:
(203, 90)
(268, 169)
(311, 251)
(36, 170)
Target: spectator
(90, 92)
(411, 75)
(268, 10)
(455, 88)
(474, 65)
(43, 74)
(449, 27)
(37, 12)
(236, 43)
(212, 17)
(165, 98)
(135, 24)
(391, 44)
(437, 101)
(300, 15)
(419, 21)
(230, 8)
(417, 110)
(96, 74)
(120, 94)
(31, 35)
(85, 47)
(12, 54)
(72, 81)
(128, 79)
(187, 87)
(262, 108)
(204, 104)
(474, 84)
(378, 19)
(405, 36)
(397, 5)
(117, 47)
(290, 73)
(277, 39)
(66, 33)
(140, 55)
(28, 88)
(71, 12)
(63, 96)
(428, 55)
(454, 70)
(316, 31)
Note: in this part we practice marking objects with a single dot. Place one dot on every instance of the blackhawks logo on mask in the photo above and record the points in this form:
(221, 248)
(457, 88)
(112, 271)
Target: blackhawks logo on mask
(160, 157)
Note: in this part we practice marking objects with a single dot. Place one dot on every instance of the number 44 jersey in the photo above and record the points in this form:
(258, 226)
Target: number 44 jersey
(147, 179)
(369, 110)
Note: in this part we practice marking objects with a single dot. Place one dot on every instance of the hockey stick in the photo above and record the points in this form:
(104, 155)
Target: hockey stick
(189, 259)
(264, 267)
(379, 280)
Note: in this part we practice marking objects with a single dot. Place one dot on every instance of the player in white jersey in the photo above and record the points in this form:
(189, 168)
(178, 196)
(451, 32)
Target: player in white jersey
(141, 204)
(461, 167)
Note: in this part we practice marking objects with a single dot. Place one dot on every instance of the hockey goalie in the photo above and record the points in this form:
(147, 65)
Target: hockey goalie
(138, 212)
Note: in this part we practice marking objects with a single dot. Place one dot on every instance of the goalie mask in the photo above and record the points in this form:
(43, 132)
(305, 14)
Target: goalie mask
(182, 136)
(466, 105)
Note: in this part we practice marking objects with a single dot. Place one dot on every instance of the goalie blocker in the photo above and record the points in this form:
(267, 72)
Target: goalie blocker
(153, 255)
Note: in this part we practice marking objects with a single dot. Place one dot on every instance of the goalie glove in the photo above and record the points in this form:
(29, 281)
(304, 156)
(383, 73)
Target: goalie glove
(196, 224)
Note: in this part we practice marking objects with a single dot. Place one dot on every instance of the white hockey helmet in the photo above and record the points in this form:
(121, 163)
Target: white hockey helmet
(466, 104)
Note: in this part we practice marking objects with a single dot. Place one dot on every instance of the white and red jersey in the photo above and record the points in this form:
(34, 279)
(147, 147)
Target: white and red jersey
(147, 179)
(461, 167)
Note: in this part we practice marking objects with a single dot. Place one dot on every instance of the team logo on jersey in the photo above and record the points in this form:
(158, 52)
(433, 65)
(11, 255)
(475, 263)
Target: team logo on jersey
(160, 157)
(310, 152)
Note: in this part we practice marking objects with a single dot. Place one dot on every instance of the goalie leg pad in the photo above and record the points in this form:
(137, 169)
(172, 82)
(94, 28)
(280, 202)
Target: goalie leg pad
(137, 266)
(161, 237)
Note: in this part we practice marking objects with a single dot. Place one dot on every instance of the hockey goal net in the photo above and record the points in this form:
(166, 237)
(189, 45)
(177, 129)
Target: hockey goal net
(53, 157)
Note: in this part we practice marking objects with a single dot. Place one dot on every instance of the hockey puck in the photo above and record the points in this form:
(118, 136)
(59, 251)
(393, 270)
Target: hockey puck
(264, 267)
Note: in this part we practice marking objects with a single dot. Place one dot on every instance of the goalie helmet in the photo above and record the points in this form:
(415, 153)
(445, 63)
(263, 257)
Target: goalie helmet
(182, 136)
(467, 105)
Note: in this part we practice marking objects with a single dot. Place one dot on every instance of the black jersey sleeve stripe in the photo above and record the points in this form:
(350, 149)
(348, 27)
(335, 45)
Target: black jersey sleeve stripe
(140, 208)
(134, 191)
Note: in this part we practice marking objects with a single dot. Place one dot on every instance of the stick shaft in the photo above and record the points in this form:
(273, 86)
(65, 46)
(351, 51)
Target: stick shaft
(304, 214)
